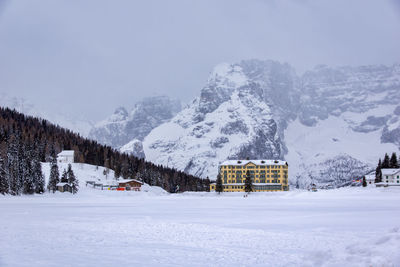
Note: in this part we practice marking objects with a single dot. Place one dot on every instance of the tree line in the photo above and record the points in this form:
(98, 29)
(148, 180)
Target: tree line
(27, 141)
(20, 167)
(387, 162)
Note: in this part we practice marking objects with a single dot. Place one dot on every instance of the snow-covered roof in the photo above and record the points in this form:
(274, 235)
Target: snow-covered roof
(129, 180)
(253, 184)
(390, 171)
(256, 162)
(66, 153)
(370, 177)
(61, 184)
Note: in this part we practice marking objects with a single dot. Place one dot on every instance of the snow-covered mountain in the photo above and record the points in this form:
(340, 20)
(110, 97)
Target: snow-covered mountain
(321, 122)
(80, 125)
(134, 147)
(123, 127)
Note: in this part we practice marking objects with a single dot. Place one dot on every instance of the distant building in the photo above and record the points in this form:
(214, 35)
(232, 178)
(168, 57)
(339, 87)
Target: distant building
(266, 175)
(390, 177)
(64, 187)
(130, 184)
(370, 178)
(66, 156)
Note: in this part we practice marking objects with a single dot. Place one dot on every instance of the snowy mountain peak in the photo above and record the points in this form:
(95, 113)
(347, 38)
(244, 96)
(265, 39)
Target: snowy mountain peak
(229, 76)
(123, 126)
(229, 120)
(119, 116)
(327, 119)
(134, 147)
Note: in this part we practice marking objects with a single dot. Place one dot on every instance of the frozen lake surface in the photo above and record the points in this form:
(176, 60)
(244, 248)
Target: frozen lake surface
(344, 227)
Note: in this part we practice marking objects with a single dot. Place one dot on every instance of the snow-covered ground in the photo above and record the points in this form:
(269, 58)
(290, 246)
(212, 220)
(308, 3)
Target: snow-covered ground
(342, 227)
(83, 172)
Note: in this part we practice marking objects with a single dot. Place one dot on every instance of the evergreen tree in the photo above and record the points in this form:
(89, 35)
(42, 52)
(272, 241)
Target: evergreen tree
(13, 166)
(38, 177)
(364, 182)
(4, 182)
(72, 180)
(248, 183)
(39, 182)
(27, 170)
(219, 187)
(117, 171)
(54, 178)
(378, 172)
(386, 162)
(393, 161)
(64, 177)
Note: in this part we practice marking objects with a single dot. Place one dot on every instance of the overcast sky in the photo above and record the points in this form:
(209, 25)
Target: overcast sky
(92, 56)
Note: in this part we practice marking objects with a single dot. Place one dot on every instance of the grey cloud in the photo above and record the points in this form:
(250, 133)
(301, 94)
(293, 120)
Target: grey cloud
(92, 56)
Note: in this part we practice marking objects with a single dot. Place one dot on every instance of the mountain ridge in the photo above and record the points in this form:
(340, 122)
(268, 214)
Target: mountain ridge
(359, 102)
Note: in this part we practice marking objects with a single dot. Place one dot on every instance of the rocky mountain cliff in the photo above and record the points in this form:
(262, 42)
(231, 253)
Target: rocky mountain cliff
(321, 122)
(123, 127)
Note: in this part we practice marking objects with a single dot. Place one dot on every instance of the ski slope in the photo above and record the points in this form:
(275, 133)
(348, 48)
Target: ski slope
(341, 227)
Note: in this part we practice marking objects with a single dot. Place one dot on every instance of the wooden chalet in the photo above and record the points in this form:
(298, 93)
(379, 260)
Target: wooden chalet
(64, 187)
(130, 184)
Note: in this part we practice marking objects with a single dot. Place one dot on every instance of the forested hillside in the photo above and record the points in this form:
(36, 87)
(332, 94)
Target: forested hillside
(28, 140)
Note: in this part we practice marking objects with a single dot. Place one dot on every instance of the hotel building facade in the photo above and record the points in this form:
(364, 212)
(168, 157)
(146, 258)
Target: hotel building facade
(266, 175)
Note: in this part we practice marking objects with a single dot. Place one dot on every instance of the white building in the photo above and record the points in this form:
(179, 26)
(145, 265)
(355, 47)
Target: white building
(370, 178)
(66, 156)
(391, 176)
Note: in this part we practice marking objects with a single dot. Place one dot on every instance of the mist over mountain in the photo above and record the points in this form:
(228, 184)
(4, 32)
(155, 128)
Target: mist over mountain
(327, 118)
(331, 123)
(123, 126)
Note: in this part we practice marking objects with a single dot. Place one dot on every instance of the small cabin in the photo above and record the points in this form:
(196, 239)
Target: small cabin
(370, 178)
(66, 156)
(130, 184)
(64, 187)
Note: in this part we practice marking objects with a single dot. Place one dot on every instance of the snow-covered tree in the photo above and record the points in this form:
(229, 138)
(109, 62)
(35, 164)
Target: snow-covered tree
(72, 180)
(64, 177)
(38, 177)
(13, 165)
(54, 178)
(27, 170)
(4, 182)
(219, 187)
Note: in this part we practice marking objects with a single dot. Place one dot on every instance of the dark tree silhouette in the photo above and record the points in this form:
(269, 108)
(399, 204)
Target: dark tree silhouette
(248, 183)
(218, 186)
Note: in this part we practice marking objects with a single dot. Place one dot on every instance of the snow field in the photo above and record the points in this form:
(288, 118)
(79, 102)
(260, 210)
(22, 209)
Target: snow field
(343, 227)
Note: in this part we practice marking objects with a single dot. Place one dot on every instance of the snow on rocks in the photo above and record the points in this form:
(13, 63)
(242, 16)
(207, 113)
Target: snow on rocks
(197, 147)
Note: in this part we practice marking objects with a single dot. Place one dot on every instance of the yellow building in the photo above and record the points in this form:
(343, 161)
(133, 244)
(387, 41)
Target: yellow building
(266, 175)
